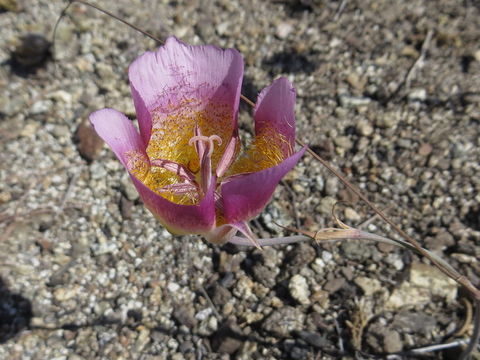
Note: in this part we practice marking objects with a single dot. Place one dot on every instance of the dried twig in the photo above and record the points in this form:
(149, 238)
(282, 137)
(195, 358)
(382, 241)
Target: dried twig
(210, 302)
(340, 9)
(420, 60)
(357, 325)
(69, 190)
(473, 343)
(367, 222)
(416, 65)
(339, 332)
(468, 318)
(427, 349)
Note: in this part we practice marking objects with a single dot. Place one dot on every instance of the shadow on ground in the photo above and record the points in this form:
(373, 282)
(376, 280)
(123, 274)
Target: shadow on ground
(15, 313)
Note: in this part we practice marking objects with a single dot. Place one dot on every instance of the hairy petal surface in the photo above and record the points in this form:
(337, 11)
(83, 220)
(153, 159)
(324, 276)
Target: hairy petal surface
(143, 115)
(118, 132)
(178, 74)
(243, 197)
(275, 114)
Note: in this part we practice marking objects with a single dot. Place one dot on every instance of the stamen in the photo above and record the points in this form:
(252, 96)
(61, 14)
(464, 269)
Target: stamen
(204, 146)
(208, 139)
(185, 189)
(199, 145)
(176, 168)
(181, 188)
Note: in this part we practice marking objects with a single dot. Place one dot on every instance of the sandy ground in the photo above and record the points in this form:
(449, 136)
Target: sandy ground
(388, 92)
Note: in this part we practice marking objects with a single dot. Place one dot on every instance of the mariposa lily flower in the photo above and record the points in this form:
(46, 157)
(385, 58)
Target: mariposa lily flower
(187, 161)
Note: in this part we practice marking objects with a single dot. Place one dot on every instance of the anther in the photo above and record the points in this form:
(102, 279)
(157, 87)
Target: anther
(208, 139)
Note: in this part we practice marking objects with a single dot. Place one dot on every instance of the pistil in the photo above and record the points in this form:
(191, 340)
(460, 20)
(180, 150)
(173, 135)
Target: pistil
(204, 146)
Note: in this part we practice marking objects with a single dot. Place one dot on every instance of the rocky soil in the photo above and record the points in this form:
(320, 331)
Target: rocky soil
(388, 92)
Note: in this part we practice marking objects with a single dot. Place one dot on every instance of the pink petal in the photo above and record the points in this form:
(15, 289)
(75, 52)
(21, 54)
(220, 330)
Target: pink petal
(245, 196)
(143, 116)
(275, 113)
(177, 72)
(118, 132)
(179, 219)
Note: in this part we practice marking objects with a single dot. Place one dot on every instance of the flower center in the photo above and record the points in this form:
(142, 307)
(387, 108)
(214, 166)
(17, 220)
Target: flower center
(204, 147)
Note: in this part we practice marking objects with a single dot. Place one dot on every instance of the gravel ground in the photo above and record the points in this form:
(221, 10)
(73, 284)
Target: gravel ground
(388, 92)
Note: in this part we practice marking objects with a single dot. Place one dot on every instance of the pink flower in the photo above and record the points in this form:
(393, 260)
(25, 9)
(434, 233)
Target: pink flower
(186, 162)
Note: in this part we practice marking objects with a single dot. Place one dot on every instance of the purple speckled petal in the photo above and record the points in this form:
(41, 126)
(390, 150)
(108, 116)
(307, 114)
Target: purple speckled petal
(275, 113)
(143, 116)
(118, 132)
(180, 219)
(245, 196)
(177, 72)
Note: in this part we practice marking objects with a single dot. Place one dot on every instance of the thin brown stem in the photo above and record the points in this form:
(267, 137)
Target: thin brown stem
(247, 100)
(106, 12)
(454, 275)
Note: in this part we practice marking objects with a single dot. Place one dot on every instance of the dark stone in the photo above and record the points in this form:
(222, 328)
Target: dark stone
(283, 321)
(414, 322)
(356, 250)
(89, 144)
(472, 218)
(334, 285)
(31, 53)
(186, 347)
(314, 339)
(219, 294)
(440, 242)
(135, 315)
(126, 207)
(185, 315)
(227, 339)
(299, 353)
(264, 275)
(300, 256)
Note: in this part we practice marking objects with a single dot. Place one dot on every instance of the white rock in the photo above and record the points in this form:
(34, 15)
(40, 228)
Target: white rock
(64, 294)
(203, 314)
(417, 95)
(326, 205)
(425, 283)
(318, 266)
(327, 256)
(283, 30)
(368, 285)
(173, 287)
(61, 95)
(299, 289)
(40, 107)
(352, 215)
(364, 128)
